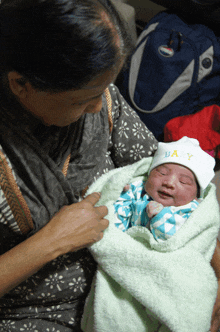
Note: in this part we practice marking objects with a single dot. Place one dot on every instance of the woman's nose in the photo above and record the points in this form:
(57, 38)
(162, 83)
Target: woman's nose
(95, 106)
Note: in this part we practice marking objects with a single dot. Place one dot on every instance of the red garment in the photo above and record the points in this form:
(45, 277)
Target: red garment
(203, 125)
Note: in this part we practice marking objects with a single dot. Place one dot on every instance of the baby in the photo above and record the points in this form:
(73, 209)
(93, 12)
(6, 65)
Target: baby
(179, 173)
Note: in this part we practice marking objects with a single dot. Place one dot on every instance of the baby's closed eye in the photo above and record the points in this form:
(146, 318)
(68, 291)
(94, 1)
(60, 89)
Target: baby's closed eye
(162, 170)
(185, 180)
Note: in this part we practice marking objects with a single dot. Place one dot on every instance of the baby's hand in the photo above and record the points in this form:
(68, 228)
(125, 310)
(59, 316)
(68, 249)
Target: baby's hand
(153, 208)
(126, 187)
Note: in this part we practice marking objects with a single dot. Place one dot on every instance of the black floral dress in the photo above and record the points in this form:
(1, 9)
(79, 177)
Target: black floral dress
(53, 298)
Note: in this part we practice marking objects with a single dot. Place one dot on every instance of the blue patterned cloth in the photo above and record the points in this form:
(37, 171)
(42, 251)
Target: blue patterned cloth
(130, 210)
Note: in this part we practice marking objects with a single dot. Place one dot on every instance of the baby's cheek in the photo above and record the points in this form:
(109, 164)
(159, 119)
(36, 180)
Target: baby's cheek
(148, 187)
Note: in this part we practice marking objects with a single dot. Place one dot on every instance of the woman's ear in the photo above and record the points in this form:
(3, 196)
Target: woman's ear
(17, 84)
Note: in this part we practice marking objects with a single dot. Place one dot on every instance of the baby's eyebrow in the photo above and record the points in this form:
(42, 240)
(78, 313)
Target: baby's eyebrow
(163, 166)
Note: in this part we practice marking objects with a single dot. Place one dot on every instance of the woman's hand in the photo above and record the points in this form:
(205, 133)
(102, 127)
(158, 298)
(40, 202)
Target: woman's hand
(74, 227)
(77, 226)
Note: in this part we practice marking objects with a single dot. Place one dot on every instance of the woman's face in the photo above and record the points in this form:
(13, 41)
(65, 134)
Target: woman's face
(64, 108)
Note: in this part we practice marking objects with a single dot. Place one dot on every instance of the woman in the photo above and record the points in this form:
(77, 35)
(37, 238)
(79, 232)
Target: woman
(57, 59)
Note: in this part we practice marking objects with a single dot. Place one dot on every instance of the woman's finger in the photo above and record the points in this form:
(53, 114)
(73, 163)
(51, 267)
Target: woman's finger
(92, 198)
(101, 211)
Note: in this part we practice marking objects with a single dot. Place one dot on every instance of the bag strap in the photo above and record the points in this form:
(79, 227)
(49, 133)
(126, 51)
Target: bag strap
(14, 198)
(66, 165)
(109, 105)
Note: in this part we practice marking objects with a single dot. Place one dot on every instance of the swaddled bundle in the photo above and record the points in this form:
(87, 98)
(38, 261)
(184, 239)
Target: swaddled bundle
(144, 285)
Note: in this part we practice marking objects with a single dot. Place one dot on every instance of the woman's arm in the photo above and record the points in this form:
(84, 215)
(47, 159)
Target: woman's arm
(72, 228)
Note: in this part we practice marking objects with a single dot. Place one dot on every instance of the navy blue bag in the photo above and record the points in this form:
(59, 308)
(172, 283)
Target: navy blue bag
(174, 71)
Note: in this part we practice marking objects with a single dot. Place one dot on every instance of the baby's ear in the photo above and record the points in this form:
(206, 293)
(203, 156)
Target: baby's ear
(126, 187)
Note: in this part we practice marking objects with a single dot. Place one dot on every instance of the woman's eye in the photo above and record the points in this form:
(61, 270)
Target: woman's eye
(77, 104)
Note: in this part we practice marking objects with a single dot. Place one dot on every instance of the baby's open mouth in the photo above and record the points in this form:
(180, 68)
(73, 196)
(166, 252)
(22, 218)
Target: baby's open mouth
(164, 194)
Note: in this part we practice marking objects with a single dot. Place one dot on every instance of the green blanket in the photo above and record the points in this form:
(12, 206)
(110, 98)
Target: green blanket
(143, 285)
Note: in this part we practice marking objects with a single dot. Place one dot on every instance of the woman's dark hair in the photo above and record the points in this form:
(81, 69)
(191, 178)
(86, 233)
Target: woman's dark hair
(60, 45)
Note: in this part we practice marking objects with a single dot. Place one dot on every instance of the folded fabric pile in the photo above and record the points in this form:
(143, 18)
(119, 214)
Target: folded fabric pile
(203, 125)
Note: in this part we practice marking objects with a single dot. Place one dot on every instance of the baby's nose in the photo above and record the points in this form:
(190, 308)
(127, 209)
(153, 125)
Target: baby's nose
(170, 181)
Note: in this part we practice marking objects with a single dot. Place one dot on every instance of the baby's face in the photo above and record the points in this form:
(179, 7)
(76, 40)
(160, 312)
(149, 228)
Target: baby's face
(171, 184)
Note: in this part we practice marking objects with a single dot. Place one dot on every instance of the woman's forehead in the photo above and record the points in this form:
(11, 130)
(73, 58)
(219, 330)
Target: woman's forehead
(92, 90)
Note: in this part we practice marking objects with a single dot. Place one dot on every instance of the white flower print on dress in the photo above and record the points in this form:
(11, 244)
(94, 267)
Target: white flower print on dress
(53, 308)
(7, 325)
(72, 321)
(97, 176)
(116, 102)
(45, 296)
(137, 151)
(125, 107)
(54, 316)
(138, 130)
(54, 281)
(33, 308)
(107, 155)
(130, 112)
(78, 284)
(150, 135)
(152, 149)
(133, 113)
(105, 170)
(120, 148)
(59, 262)
(123, 128)
(23, 291)
(29, 327)
(52, 329)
